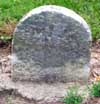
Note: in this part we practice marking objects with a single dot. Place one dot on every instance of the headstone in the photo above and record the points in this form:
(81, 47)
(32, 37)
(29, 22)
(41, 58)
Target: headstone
(51, 44)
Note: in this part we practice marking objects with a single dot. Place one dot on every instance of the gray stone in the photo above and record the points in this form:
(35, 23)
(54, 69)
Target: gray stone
(50, 44)
(39, 92)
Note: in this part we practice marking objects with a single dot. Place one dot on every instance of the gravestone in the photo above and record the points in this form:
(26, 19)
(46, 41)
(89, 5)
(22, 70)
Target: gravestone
(51, 44)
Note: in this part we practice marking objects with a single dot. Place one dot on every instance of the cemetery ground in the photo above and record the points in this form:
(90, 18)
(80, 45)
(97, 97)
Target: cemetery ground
(11, 13)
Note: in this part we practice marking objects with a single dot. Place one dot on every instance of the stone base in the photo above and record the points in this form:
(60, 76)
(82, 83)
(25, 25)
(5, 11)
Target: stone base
(41, 92)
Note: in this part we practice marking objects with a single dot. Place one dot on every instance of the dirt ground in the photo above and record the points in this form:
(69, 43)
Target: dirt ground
(8, 97)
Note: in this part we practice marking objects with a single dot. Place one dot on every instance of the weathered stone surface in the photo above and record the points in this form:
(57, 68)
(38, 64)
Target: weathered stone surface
(39, 92)
(51, 44)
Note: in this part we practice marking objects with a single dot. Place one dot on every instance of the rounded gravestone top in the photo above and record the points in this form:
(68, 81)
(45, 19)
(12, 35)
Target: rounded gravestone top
(47, 42)
(58, 9)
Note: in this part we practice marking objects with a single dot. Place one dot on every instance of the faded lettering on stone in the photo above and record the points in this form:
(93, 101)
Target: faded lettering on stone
(51, 46)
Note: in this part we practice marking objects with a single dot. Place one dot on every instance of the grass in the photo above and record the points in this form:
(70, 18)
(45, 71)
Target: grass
(73, 96)
(5, 38)
(13, 10)
(95, 89)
